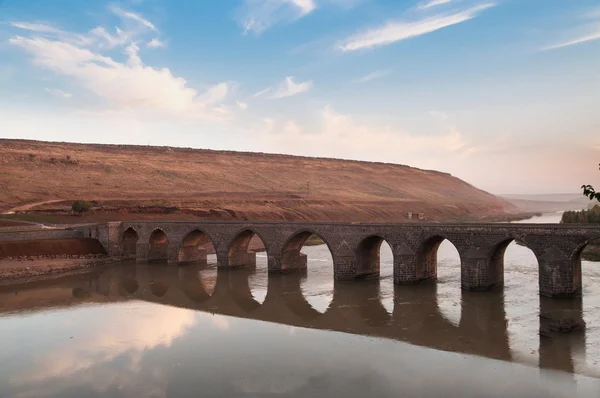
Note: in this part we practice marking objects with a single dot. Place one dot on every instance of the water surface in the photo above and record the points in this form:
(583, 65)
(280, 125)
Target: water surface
(177, 331)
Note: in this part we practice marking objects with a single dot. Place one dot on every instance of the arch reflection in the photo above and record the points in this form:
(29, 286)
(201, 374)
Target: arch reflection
(355, 308)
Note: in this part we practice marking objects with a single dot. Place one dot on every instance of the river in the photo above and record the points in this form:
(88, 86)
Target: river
(165, 331)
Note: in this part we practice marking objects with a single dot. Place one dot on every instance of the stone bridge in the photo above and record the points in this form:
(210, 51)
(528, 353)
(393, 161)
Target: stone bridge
(355, 247)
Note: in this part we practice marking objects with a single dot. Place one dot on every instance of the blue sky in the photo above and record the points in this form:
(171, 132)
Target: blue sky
(502, 93)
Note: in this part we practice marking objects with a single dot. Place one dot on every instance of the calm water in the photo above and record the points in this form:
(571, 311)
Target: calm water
(165, 331)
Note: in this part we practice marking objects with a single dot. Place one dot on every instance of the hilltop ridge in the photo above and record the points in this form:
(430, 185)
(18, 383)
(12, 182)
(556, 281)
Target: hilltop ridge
(128, 179)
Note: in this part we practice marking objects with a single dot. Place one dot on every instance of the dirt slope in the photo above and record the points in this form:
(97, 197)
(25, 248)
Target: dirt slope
(220, 184)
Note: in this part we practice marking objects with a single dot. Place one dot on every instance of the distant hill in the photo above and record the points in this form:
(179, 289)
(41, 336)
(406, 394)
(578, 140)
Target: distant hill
(224, 184)
(549, 202)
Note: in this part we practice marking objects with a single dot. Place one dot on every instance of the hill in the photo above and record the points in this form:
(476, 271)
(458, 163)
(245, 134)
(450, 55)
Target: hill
(134, 181)
(548, 203)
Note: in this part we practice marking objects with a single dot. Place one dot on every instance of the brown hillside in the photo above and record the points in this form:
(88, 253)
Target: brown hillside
(221, 184)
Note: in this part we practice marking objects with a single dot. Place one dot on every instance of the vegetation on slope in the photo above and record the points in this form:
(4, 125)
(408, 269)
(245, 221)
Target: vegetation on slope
(591, 216)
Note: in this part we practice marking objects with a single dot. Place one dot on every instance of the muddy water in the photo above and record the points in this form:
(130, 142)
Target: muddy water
(165, 331)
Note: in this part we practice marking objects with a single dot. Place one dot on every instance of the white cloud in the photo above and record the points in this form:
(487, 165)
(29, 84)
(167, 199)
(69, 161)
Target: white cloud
(35, 27)
(156, 43)
(131, 85)
(259, 15)
(344, 136)
(262, 92)
(121, 85)
(120, 39)
(134, 17)
(372, 76)
(50, 31)
(242, 105)
(432, 3)
(289, 88)
(305, 6)
(216, 93)
(396, 31)
(583, 39)
(58, 93)
(134, 60)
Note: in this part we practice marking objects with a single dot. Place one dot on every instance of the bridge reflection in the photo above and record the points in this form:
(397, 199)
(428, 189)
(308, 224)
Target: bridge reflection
(355, 308)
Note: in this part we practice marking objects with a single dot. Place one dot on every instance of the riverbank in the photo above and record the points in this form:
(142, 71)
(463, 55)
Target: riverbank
(17, 268)
(591, 252)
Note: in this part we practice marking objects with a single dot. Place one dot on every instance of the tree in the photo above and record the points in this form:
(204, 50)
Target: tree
(590, 192)
(81, 206)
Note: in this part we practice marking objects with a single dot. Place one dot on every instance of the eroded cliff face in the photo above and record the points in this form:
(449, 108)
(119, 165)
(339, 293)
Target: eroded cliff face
(139, 180)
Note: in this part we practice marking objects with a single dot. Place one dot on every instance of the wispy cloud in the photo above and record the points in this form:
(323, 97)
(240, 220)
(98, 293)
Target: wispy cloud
(256, 16)
(289, 88)
(589, 31)
(58, 93)
(580, 40)
(262, 92)
(156, 43)
(432, 3)
(35, 27)
(396, 31)
(372, 76)
(133, 16)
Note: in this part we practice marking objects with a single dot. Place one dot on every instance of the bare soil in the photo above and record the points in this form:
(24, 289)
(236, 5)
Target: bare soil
(17, 269)
(12, 223)
(51, 247)
(39, 180)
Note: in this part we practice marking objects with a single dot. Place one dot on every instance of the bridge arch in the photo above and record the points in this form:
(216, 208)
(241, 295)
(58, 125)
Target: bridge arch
(583, 249)
(239, 250)
(497, 262)
(129, 242)
(316, 285)
(291, 257)
(368, 256)
(158, 245)
(195, 247)
(427, 256)
(439, 259)
(590, 251)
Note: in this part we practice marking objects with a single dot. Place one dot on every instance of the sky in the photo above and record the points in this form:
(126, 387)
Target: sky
(504, 94)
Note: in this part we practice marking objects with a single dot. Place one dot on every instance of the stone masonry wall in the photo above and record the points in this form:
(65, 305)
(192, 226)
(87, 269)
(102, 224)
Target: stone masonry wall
(414, 245)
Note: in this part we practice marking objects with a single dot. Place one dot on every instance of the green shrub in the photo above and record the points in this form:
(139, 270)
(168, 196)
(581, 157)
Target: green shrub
(81, 206)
